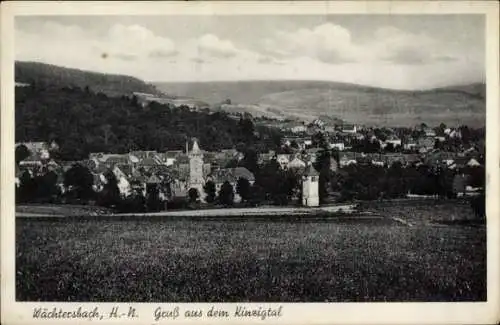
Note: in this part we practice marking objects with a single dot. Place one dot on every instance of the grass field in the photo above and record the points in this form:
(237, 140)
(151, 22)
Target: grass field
(248, 260)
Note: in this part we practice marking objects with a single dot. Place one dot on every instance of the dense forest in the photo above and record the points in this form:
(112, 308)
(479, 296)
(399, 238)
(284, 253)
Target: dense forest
(82, 121)
(111, 85)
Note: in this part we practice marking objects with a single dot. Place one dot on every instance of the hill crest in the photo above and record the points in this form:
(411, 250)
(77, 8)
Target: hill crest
(110, 84)
(307, 100)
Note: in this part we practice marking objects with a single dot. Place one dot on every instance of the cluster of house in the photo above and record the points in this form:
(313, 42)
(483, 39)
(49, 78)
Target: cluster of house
(342, 137)
(173, 173)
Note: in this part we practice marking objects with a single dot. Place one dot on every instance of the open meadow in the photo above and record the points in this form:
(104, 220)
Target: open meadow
(245, 259)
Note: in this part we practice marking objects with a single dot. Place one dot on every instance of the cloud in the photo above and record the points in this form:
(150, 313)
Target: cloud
(329, 43)
(333, 44)
(138, 41)
(396, 46)
(124, 56)
(161, 53)
(266, 59)
(122, 42)
(211, 45)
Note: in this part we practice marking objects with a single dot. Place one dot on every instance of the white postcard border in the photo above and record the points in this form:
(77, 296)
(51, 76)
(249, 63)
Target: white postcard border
(310, 313)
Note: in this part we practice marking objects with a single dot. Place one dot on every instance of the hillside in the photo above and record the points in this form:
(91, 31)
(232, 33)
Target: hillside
(82, 121)
(354, 103)
(111, 85)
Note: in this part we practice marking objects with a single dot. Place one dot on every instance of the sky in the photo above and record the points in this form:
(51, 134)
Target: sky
(389, 51)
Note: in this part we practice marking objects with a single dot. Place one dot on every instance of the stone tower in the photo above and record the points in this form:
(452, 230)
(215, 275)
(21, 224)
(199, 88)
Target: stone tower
(310, 187)
(196, 169)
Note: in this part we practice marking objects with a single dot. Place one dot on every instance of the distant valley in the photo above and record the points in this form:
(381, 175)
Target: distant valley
(354, 103)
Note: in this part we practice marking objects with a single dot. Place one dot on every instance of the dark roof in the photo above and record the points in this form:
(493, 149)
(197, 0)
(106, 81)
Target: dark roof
(101, 169)
(182, 159)
(231, 174)
(222, 175)
(142, 154)
(149, 162)
(348, 155)
(314, 150)
(310, 171)
(243, 172)
(161, 169)
(461, 161)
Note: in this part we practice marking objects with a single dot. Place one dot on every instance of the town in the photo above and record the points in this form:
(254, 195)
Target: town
(316, 163)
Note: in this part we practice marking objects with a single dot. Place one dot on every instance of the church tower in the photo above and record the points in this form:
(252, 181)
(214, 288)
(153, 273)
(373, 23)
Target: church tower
(196, 169)
(310, 187)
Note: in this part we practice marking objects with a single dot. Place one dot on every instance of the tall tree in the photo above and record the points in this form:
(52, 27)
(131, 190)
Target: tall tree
(226, 193)
(250, 160)
(243, 188)
(193, 195)
(27, 188)
(323, 164)
(210, 191)
(46, 186)
(22, 152)
(110, 195)
(80, 180)
(153, 202)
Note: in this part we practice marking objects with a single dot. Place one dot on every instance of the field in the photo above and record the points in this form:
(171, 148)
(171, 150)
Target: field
(245, 259)
(57, 210)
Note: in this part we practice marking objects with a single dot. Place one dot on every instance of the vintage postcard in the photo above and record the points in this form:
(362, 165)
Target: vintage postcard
(250, 162)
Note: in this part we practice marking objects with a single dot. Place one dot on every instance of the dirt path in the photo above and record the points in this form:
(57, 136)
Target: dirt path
(248, 211)
(260, 211)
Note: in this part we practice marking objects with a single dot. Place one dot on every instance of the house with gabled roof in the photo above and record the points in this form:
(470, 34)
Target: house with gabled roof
(231, 175)
(143, 154)
(393, 140)
(150, 162)
(349, 128)
(337, 145)
(347, 158)
(473, 163)
(35, 159)
(429, 132)
(425, 144)
(283, 159)
(296, 163)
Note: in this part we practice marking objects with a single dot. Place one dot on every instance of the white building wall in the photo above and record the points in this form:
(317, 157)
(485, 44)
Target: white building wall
(310, 191)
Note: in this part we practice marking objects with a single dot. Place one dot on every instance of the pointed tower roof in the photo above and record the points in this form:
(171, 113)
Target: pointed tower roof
(310, 171)
(153, 179)
(196, 148)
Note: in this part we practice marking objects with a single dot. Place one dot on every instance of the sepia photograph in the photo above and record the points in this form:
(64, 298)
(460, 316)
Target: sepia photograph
(250, 158)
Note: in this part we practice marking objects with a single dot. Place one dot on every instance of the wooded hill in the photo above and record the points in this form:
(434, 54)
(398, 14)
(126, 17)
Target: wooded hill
(109, 84)
(81, 121)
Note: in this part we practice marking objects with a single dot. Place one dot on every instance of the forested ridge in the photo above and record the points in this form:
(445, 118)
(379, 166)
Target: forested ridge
(82, 121)
(110, 84)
